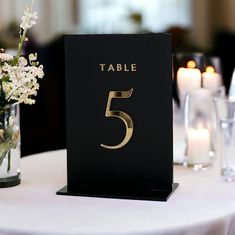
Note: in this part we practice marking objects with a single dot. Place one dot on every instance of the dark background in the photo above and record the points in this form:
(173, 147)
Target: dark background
(43, 124)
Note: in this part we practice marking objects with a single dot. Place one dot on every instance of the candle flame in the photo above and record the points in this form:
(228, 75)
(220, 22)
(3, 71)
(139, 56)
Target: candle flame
(191, 64)
(210, 69)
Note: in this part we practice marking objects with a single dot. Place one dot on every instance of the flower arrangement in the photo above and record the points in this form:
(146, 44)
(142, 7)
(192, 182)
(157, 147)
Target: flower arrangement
(18, 84)
(18, 75)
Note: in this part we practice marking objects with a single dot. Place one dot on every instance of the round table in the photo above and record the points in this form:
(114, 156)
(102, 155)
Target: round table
(203, 204)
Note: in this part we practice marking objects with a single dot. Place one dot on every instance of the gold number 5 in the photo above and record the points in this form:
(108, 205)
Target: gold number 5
(119, 114)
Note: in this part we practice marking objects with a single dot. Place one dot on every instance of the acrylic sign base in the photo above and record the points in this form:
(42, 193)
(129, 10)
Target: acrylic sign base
(152, 195)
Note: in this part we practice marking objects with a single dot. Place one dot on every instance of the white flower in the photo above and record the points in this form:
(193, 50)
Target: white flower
(29, 18)
(5, 57)
(21, 83)
(22, 61)
(37, 72)
(33, 57)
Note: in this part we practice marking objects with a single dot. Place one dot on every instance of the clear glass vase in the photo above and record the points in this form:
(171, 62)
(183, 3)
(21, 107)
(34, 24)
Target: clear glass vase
(9, 146)
(200, 125)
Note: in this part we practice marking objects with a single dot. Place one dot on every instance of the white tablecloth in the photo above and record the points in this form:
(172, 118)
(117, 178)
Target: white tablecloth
(203, 204)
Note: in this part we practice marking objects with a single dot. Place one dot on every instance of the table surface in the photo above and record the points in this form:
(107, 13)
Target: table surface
(203, 204)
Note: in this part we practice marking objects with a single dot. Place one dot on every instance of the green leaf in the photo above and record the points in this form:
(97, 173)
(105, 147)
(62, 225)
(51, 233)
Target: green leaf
(5, 148)
(5, 79)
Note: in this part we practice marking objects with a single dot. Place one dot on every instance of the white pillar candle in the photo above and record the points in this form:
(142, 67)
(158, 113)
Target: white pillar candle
(188, 79)
(211, 79)
(199, 144)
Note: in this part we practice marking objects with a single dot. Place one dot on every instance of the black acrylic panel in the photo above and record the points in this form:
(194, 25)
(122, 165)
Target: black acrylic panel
(145, 163)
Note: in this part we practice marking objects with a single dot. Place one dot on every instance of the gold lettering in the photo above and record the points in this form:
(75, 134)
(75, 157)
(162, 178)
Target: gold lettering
(125, 68)
(133, 67)
(111, 68)
(119, 67)
(102, 66)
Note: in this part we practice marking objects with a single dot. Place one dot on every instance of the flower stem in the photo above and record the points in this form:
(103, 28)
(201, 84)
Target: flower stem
(20, 46)
(2, 94)
(9, 161)
(9, 97)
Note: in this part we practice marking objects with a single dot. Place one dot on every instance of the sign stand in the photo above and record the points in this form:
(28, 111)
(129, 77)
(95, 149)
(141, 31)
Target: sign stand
(119, 116)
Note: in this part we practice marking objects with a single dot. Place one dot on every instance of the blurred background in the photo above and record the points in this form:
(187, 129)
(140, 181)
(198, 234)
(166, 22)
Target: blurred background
(206, 26)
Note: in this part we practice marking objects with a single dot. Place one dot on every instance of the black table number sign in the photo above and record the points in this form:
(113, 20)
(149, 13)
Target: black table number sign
(119, 116)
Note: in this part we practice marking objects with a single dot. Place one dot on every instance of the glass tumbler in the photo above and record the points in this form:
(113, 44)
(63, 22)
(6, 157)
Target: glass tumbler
(225, 147)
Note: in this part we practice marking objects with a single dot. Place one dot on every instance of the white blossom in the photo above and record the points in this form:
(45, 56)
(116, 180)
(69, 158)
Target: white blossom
(37, 72)
(5, 57)
(29, 18)
(22, 81)
(33, 57)
(22, 61)
(19, 76)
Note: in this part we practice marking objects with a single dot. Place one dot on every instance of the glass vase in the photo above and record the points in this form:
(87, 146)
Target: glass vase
(9, 146)
(200, 125)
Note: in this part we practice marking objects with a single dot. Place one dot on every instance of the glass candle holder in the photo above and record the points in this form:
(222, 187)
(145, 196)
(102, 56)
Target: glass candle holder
(200, 123)
(225, 147)
(215, 62)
